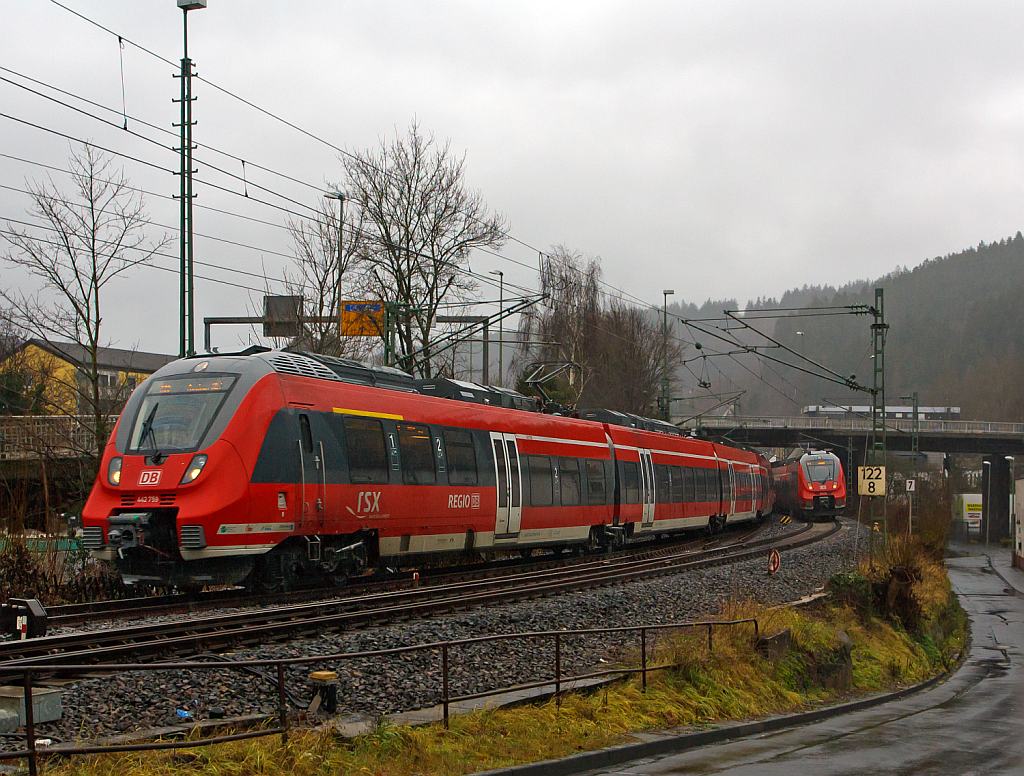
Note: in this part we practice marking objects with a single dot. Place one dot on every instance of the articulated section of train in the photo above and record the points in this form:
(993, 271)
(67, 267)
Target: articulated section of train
(276, 468)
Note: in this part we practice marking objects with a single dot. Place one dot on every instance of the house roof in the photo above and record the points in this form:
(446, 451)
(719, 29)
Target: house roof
(107, 358)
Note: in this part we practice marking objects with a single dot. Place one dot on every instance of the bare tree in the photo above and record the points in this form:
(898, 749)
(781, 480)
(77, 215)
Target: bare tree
(630, 346)
(568, 319)
(619, 351)
(88, 236)
(423, 222)
(327, 251)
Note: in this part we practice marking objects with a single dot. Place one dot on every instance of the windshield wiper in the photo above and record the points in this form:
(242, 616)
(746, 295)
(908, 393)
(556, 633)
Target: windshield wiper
(147, 431)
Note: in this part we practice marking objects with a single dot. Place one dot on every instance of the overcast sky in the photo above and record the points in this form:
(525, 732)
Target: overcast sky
(726, 149)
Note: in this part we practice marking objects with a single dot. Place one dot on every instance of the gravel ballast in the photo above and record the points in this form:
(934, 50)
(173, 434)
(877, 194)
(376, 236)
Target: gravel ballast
(96, 708)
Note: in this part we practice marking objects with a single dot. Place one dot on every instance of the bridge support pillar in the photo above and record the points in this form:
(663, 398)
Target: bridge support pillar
(995, 492)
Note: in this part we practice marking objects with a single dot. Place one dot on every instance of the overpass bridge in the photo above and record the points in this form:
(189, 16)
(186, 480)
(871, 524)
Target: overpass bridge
(978, 437)
(993, 440)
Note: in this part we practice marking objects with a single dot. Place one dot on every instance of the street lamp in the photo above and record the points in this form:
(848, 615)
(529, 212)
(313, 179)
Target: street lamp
(988, 499)
(339, 195)
(186, 288)
(665, 400)
(1013, 516)
(915, 445)
(501, 336)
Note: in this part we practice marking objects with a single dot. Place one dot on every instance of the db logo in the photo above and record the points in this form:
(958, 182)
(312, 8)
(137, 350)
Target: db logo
(151, 477)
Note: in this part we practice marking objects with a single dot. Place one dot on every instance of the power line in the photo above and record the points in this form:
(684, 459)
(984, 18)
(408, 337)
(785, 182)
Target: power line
(622, 295)
(260, 109)
(143, 250)
(9, 233)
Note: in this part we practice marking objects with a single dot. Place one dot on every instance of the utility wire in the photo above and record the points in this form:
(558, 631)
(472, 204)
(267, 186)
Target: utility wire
(10, 232)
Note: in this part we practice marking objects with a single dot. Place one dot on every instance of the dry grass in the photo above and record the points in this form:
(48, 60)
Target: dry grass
(733, 682)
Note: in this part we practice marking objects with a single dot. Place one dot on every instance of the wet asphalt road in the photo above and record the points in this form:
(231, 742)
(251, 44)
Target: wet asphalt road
(971, 724)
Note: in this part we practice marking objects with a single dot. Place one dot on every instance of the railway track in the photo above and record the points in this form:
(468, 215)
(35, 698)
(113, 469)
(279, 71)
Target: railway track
(194, 635)
(64, 615)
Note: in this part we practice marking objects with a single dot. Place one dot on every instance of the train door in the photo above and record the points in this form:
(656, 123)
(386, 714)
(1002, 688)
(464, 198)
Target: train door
(509, 484)
(730, 502)
(312, 501)
(647, 493)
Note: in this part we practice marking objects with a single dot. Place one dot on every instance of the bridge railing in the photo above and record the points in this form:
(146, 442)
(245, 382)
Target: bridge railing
(27, 437)
(862, 424)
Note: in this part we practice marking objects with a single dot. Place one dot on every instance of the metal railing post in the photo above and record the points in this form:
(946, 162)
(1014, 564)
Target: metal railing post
(558, 669)
(444, 683)
(711, 645)
(757, 630)
(282, 708)
(30, 726)
(643, 659)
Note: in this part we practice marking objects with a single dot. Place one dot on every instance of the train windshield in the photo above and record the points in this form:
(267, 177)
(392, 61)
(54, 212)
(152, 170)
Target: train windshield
(821, 469)
(177, 412)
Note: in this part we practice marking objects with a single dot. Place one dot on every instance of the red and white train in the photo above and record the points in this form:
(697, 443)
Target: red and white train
(273, 468)
(811, 486)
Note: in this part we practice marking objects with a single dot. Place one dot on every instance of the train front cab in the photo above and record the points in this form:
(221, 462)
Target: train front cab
(821, 486)
(172, 487)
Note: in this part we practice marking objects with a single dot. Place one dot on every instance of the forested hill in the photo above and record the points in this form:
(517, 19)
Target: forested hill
(956, 337)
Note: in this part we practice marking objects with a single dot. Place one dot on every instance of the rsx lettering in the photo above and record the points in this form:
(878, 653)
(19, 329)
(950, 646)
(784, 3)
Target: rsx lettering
(368, 501)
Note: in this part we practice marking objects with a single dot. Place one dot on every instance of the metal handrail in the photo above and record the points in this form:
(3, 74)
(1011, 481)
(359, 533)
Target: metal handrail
(32, 753)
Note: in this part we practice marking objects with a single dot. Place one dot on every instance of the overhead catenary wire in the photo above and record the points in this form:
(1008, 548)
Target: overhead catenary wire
(159, 128)
(143, 264)
(620, 293)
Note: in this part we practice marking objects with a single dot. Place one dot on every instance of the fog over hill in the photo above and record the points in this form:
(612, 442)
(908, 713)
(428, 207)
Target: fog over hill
(956, 324)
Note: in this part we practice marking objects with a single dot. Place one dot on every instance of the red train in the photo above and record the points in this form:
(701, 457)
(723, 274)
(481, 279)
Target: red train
(812, 486)
(277, 468)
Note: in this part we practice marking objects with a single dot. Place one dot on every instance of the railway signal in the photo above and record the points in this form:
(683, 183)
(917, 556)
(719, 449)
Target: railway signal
(774, 562)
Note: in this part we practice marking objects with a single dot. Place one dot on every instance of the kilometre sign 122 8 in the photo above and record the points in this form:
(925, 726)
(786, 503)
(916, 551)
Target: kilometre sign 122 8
(871, 480)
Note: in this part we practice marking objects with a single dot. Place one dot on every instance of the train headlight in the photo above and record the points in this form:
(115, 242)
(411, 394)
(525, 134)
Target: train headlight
(114, 471)
(195, 468)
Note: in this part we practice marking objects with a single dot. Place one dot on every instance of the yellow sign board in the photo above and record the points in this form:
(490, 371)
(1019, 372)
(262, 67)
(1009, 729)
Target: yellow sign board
(871, 480)
(362, 319)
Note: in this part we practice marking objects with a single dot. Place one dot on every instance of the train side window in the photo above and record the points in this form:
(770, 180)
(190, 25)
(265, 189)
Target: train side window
(514, 464)
(461, 457)
(663, 488)
(364, 446)
(714, 484)
(630, 482)
(417, 454)
(689, 494)
(597, 491)
(499, 458)
(569, 477)
(306, 432)
(700, 486)
(541, 480)
(677, 485)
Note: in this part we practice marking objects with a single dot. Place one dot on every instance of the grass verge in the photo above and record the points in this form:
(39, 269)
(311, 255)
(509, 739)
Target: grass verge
(859, 641)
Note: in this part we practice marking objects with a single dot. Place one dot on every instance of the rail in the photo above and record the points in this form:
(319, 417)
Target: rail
(861, 424)
(32, 752)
